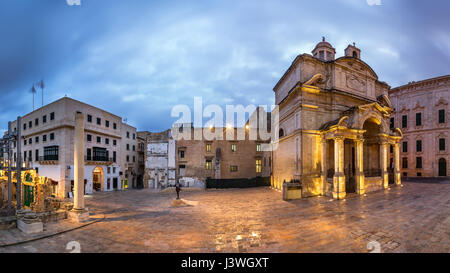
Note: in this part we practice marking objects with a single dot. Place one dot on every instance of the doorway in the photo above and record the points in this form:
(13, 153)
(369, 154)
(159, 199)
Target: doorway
(98, 179)
(442, 167)
(115, 183)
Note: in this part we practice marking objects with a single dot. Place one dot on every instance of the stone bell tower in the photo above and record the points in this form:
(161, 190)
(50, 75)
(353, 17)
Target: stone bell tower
(353, 51)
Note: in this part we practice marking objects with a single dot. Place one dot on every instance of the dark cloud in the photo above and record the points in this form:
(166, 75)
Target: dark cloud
(138, 59)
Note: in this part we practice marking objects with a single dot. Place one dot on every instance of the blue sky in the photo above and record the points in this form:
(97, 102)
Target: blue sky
(138, 59)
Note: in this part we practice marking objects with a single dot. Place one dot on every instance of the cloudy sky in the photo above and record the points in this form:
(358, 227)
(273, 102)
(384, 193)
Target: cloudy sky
(138, 59)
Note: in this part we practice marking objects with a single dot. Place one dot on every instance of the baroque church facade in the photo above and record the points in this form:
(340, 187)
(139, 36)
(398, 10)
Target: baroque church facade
(334, 126)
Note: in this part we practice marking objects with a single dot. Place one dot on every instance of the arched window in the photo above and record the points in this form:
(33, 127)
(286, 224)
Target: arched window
(281, 133)
(355, 55)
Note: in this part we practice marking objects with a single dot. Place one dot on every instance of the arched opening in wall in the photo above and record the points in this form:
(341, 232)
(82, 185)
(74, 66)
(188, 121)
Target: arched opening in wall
(355, 54)
(371, 158)
(442, 167)
(280, 133)
(349, 166)
(330, 159)
(98, 179)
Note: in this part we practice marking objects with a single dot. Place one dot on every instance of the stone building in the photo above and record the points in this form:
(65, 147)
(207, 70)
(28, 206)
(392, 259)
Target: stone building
(422, 113)
(159, 159)
(334, 132)
(48, 144)
(198, 160)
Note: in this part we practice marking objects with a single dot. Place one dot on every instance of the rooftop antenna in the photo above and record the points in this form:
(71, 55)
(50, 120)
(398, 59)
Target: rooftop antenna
(42, 85)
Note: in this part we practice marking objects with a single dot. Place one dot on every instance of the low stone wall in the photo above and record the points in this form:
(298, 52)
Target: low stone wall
(373, 184)
(8, 222)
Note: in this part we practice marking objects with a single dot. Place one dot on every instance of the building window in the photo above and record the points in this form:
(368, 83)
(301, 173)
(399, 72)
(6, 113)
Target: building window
(88, 154)
(31, 140)
(128, 147)
(114, 157)
(233, 147)
(107, 141)
(89, 137)
(114, 142)
(405, 163)
(418, 146)
(128, 134)
(114, 126)
(322, 55)
(391, 149)
(181, 154)
(24, 126)
(134, 148)
(134, 158)
(418, 119)
(51, 153)
(36, 139)
(404, 121)
(52, 115)
(258, 147)
(36, 155)
(30, 124)
(208, 147)
(281, 133)
(36, 122)
(99, 121)
(405, 146)
(134, 136)
(52, 136)
(99, 139)
(442, 144)
(233, 168)
(44, 138)
(419, 163)
(258, 165)
(419, 174)
(391, 125)
(128, 158)
(44, 119)
(107, 123)
(442, 116)
(208, 165)
(108, 170)
(89, 118)
(24, 142)
(100, 154)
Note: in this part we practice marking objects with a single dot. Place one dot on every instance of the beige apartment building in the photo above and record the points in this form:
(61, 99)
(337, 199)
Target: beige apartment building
(48, 145)
(422, 113)
(334, 132)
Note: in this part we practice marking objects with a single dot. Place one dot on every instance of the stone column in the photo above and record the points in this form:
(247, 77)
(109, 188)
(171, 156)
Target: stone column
(384, 163)
(339, 176)
(323, 165)
(397, 178)
(78, 213)
(359, 174)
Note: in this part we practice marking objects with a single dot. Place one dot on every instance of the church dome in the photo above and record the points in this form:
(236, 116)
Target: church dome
(324, 51)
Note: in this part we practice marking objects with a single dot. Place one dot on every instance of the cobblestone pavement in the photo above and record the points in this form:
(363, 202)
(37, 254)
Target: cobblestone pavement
(413, 218)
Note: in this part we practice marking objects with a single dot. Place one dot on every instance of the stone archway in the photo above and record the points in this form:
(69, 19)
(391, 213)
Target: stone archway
(371, 152)
(98, 179)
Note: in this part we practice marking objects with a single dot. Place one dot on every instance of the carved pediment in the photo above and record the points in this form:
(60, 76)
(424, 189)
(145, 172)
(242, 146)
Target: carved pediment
(418, 107)
(442, 101)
